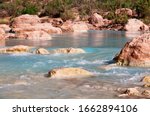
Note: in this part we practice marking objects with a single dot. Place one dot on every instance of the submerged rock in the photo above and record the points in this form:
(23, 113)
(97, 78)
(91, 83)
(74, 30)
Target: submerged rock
(67, 51)
(41, 51)
(69, 72)
(15, 49)
(107, 67)
(134, 25)
(135, 53)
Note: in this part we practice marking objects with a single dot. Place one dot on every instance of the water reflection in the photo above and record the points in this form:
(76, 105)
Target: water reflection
(2, 43)
(85, 39)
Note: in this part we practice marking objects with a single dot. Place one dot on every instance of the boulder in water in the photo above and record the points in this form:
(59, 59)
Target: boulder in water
(41, 51)
(135, 53)
(67, 51)
(146, 79)
(15, 49)
(69, 72)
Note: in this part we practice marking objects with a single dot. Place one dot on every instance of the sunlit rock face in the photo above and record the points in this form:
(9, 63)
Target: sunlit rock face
(135, 53)
(31, 27)
(135, 25)
(15, 49)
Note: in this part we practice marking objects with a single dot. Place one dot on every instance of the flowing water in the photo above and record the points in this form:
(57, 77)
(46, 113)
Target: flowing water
(23, 76)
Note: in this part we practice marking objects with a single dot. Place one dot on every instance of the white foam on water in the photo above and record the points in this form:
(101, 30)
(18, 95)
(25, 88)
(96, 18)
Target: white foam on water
(85, 62)
(20, 54)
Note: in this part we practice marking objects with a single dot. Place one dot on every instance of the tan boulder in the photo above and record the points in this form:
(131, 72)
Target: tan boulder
(5, 27)
(134, 25)
(56, 22)
(47, 27)
(132, 92)
(146, 85)
(2, 34)
(2, 37)
(146, 93)
(25, 19)
(96, 20)
(30, 23)
(136, 92)
(2, 41)
(15, 49)
(80, 27)
(70, 26)
(10, 36)
(146, 79)
(69, 72)
(33, 35)
(67, 51)
(124, 11)
(41, 51)
(135, 53)
(67, 26)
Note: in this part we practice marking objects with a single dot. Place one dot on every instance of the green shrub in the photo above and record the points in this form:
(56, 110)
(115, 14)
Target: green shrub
(13, 8)
(146, 20)
(68, 14)
(110, 16)
(54, 8)
(19, 7)
(29, 8)
(121, 19)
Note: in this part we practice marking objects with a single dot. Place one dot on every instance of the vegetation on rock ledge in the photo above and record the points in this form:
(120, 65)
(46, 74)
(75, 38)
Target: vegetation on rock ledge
(65, 8)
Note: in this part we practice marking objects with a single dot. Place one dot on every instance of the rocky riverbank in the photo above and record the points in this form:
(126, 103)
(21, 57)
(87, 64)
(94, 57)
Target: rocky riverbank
(32, 27)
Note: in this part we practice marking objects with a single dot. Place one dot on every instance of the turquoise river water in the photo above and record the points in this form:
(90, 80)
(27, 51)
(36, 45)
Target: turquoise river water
(23, 76)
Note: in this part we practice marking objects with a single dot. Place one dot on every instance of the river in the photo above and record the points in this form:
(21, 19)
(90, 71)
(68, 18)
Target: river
(23, 76)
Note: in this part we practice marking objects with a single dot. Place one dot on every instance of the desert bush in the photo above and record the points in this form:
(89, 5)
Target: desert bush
(29, 8)
(18, 7)
(111, 15)
(121, 19)
(68, 14)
